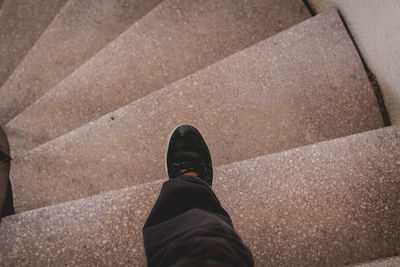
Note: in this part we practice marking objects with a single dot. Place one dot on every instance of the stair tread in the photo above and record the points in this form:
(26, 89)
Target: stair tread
(80, 30)
(386, 262)
(21, 24)
(256, 102)
(177, 38)
(328, 204)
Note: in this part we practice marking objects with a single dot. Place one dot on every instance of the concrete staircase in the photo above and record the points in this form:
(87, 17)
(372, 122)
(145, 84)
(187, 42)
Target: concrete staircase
(78, 32)
(329, 204)
(22, 22)
(282, 99)
(174, 40)
(242, 94)
(387, 262)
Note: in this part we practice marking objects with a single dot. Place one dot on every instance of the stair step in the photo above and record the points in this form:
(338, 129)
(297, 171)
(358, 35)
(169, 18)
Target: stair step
(21, 24)
(80, 30)
(387, 262)
(176, 39)
(262, 100)
(329, 204)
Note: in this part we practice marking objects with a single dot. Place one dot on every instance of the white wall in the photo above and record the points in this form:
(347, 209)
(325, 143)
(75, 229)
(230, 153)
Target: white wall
(375, 26)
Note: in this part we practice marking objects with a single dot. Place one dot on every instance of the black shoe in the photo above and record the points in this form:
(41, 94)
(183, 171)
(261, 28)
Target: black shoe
(188, 151)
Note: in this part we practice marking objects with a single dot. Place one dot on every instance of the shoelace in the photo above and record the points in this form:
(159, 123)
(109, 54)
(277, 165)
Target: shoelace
(188, 167)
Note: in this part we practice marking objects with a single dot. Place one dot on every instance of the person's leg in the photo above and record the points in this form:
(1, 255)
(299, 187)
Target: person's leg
(187, 225)
(6, 199)
(8, 206)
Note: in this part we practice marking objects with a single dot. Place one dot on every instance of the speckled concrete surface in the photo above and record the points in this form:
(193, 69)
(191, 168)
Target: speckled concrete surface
(263, 100)
(388, 262)
(320, 6)
(330, 204)
(177, 38)
(78, 32)
(21, 24)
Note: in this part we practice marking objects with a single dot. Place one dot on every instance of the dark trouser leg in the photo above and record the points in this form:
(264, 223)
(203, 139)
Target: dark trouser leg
(8, 208)
(6, 198)
(188, 227)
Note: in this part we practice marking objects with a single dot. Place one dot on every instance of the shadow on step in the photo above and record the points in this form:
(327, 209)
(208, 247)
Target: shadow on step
(6, 198)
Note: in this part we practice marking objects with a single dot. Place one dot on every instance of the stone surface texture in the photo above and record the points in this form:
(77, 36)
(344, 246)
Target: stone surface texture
(329, 204)
(388, 262)
(375, 27)
(262, 100)
(176, 39)
(78, 32)
(320, 6)
(21, 24)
